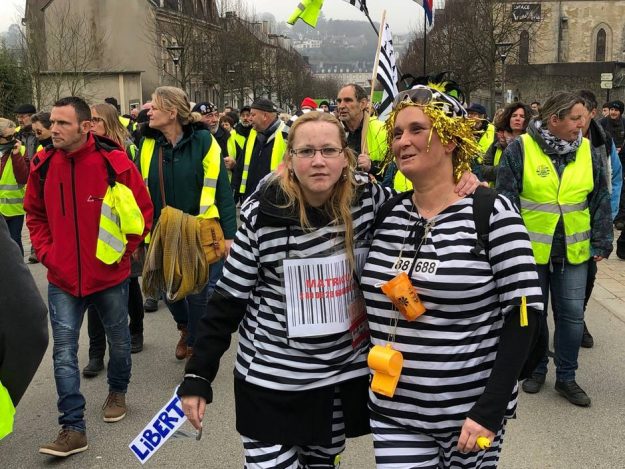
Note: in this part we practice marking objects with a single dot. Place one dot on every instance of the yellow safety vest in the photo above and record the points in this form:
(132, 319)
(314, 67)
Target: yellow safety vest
(11, 193)
(232, 149)
(376, 139)
(401, 183)
(498, 153)
(126, 122)
(277, 153)
(211, 163)
(7, 412)
(487, 138)
(120, 216)
(240, 139)
(546, 197)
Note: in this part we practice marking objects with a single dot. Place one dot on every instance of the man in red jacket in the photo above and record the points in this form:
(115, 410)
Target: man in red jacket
(63, 203)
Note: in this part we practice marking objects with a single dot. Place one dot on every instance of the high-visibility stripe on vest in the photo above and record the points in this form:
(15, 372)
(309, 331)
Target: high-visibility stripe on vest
(277, 153)
(546, 197)
(120, 216)
(211, 163)
(401, 183)
(7, 412)
(11, 193)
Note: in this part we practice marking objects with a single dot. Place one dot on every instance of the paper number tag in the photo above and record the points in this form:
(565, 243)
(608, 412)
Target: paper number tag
(425, 268)
(402, 264)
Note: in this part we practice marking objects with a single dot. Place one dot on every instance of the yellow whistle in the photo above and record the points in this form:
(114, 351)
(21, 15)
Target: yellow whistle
(523, 312)
(483, 442)
(386, 364)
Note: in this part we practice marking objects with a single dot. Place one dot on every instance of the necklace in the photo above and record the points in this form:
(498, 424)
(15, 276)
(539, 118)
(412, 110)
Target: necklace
(432, 211)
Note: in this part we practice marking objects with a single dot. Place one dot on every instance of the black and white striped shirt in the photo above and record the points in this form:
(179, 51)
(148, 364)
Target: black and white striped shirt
(253, 272)
(450, 350)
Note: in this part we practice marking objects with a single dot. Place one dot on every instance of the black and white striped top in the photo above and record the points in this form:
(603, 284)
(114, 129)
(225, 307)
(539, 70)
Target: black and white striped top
(253, 272)
(450, 350)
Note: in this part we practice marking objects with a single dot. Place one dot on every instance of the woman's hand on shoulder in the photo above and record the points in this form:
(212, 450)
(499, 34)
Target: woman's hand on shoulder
(467, 184)
(194, 408)
(471, 430)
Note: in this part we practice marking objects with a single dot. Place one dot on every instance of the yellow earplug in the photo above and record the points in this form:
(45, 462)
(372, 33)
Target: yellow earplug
(523, 312)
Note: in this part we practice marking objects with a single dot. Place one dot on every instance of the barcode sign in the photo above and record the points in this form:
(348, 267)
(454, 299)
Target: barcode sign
(318, 294)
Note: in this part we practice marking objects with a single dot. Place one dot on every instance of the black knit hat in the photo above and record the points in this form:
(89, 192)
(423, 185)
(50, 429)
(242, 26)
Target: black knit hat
(25, 109)
(617, 105)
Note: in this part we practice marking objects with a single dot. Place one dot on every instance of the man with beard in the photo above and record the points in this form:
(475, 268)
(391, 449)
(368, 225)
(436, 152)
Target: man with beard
(230, 149)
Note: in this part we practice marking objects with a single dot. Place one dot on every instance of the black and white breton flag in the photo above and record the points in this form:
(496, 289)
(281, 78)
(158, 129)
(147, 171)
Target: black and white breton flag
(387, 73)
(362, 4)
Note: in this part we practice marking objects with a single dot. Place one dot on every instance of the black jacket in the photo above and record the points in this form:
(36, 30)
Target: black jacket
(23, 319)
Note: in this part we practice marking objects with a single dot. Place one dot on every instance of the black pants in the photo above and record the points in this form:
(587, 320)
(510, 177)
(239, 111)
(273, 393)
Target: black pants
(590, 280)
(97, 337)
(15, 225)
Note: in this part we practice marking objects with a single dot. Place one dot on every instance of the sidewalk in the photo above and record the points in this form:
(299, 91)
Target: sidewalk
(609, 289)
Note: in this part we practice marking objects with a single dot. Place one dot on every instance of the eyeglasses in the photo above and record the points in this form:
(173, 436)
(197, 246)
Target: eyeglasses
(327, 152)
(95, 120)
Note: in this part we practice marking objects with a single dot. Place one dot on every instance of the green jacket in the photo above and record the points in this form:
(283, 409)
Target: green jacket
(183, 177)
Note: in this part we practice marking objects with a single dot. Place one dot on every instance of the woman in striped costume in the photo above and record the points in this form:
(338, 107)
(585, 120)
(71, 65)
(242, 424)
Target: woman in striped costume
(462, 356)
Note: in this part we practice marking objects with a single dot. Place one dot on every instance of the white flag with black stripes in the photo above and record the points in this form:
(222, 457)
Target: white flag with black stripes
(387, 73)
(362, 4)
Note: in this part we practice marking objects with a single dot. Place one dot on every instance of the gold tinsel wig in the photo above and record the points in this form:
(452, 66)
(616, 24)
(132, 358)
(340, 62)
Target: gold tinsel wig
(449, 120)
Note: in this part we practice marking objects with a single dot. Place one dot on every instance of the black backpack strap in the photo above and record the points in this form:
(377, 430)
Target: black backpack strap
(483, 204)
(387, 207)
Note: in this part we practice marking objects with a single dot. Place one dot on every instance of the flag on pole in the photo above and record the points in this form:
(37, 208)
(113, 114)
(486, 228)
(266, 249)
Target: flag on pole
(308, 11)
(361, 4)
(428, 6)
(387, 73)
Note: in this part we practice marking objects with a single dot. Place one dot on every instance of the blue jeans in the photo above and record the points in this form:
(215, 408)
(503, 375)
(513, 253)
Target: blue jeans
(567, 285)
(15, 225)
(66, 315)
(189, 310)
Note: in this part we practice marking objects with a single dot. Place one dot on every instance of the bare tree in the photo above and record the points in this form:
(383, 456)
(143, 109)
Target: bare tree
(468, 39)
(62, 53)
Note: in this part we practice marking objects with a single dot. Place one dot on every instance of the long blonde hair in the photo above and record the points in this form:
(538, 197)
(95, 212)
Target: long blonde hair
(170, 98)
(338, 206)
(113, 128)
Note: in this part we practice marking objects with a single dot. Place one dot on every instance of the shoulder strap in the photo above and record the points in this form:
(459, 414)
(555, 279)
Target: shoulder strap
(387, 207)
(483, 204)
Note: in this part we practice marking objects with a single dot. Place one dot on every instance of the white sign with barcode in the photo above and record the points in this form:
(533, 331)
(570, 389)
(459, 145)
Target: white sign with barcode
(318, 294)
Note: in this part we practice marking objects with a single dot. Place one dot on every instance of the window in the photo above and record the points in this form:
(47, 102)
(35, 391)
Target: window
(171, 4)
(601, 46)
(524, 48)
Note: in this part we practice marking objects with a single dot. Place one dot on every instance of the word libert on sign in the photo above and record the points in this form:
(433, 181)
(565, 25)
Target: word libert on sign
(162, 426)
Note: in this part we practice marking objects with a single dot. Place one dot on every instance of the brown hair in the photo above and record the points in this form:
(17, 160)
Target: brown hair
(338, 206)
(502, 120)
(170, 98)
(113, 128)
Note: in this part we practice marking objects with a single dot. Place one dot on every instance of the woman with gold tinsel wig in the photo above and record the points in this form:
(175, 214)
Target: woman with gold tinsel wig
(451, 319)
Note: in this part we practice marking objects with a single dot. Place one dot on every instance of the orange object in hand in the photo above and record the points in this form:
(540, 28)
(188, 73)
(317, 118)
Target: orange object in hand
(404, 296)
(386, 364)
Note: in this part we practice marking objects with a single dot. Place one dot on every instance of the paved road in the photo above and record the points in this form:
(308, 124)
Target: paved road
(549, 433)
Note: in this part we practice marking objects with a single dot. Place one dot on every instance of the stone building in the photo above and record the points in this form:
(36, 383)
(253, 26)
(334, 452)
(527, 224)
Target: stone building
(575, 42)
(118, 48)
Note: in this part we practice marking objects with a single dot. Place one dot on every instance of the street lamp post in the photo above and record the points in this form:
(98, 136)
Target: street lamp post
(503, 48)
(175, 52)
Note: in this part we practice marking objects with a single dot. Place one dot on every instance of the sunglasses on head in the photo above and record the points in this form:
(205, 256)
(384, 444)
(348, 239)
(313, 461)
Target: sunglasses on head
(423, 95)
(420, 94)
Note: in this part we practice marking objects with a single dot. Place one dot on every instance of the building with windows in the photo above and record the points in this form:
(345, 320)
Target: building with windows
(119, 48)
(571, 45)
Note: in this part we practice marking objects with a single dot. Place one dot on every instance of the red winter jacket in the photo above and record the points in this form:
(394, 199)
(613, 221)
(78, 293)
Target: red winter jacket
(64, 223)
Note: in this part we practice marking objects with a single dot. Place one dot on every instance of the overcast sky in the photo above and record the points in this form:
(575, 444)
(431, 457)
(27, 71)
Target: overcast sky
(402, 15)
